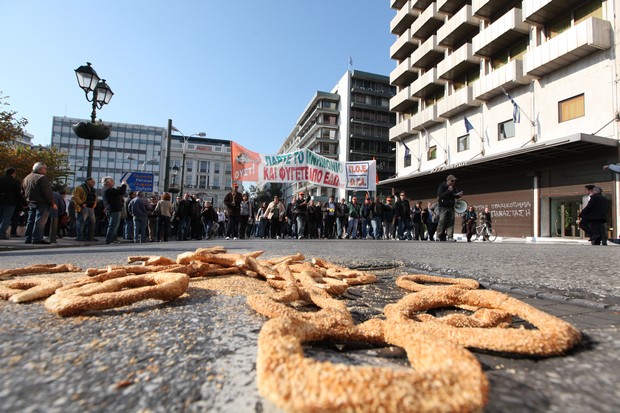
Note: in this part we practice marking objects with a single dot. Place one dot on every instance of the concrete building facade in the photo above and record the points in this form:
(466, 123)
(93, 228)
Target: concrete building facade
(349, 123)
(517, 99)
(130, 148)
(207, 167)
(141, 148)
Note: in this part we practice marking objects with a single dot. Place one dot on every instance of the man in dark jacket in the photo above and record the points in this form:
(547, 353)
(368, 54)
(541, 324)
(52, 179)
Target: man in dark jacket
(38, 192)
(402, 216)
(301, 214)
(10, 198)
(232, 200)
(113, 201)
(594, 216)
(447, 194)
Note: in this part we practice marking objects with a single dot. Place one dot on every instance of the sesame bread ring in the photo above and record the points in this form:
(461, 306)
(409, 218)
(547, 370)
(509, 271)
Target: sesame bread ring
(118, 292)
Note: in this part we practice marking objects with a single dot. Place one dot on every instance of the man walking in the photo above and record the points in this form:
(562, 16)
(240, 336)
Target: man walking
(38, 192)
(84, 199)
(447, 194)
(113, 201)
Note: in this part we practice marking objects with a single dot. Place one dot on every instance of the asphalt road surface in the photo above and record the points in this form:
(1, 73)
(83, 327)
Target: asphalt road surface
(198, 353)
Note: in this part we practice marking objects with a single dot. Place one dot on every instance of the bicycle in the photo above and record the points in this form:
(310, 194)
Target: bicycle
(487, 234)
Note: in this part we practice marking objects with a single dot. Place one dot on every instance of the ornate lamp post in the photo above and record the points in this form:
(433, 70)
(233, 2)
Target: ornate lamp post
(185, 139)
(173, 188)
(98, 92)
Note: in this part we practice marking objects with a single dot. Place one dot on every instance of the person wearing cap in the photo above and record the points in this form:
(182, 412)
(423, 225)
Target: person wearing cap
(447, 194)
(232, 201)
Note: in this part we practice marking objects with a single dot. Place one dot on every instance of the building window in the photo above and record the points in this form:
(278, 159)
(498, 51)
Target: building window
(506, 130)
(592, 8)
(432, 153)
(514, 52)
(571, 108)
(462, 143)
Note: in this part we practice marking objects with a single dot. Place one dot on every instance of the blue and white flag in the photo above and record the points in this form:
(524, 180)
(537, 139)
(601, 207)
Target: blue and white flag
(407, 151)
(468, 125)
(516, 110)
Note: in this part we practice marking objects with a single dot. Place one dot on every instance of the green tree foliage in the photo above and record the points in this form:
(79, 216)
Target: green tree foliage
(265, 193)
(10, 126)
(23, 157)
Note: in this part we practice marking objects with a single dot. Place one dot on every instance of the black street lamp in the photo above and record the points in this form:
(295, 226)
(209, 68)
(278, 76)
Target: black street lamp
(101, 93)
(173, 188)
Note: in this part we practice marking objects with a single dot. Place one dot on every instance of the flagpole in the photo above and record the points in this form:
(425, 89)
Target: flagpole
(436, 141)
(518, 107)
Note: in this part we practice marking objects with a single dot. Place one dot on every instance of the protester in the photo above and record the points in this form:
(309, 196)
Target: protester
(84, 199)
(290, 220)
(209, 220)
(275, 213)
(593, 217)
(11, 199)
(447, 194)
(485, 217)
(232, 201)
(139, 208)
(261, 219)
(39, 195)
(417, 226)
(301, 214)
(55, 214)
(329, 217)
(113, 202)
(164, 214)
(342, 218)
(128, 227)
(402, 217)
(387, 218)
(221, 220)
(354, 214)
(245, 216)
(470, 222)
(429, 218)
(153, 220)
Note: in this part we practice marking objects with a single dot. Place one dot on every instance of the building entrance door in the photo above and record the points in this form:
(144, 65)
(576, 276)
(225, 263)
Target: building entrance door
(564, 215)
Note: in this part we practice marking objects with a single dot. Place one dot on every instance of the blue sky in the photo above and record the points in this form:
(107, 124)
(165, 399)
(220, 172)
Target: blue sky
(240, 70)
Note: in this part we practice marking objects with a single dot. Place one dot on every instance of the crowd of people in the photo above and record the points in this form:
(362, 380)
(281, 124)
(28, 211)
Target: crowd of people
(132, 216)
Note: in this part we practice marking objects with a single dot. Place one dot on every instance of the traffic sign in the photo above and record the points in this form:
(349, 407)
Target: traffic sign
(139, 181)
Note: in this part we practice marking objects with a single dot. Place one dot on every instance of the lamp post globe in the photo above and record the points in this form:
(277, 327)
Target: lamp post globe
(99, 93)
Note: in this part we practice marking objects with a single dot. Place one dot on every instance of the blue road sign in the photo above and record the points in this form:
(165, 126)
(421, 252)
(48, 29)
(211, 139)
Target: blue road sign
(139, 181)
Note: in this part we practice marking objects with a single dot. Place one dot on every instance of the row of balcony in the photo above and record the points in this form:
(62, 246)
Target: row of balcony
(534, 11)
(570, 46)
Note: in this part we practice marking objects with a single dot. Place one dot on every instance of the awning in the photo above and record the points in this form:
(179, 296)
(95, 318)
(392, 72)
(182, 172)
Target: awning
(577, 144)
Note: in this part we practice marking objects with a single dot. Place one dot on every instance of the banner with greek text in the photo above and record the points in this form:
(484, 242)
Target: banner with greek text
(302, 166)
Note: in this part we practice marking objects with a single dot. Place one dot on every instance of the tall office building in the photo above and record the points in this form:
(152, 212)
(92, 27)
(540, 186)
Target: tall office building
(517, 99)
(140, 148)
(349, 123)
(130, 148)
